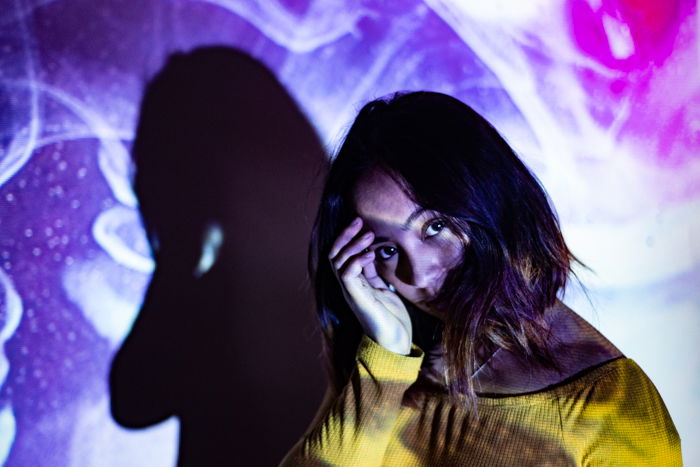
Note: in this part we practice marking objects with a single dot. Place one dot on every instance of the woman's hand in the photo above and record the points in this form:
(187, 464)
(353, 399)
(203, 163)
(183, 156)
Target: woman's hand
(381, 312)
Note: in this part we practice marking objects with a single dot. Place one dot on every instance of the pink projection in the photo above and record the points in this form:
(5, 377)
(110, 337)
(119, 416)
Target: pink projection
(600, 97)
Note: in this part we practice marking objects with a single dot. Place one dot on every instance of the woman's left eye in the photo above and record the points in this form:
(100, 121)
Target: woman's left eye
(434, 228)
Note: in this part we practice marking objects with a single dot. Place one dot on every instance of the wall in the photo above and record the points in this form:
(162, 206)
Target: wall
(600, 97)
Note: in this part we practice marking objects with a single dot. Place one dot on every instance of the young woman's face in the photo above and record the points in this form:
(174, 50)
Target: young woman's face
(414, 248)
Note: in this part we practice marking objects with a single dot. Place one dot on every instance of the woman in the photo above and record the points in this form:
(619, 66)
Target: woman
(437, 262)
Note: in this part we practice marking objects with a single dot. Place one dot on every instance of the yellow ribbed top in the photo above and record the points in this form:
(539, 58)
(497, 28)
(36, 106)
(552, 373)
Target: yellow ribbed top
(612, 415)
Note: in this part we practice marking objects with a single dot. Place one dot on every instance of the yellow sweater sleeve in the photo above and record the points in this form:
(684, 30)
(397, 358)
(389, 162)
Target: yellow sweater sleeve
(355, 427)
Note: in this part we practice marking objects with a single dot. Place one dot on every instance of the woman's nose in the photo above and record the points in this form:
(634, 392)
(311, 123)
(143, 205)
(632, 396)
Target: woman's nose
(418, 270)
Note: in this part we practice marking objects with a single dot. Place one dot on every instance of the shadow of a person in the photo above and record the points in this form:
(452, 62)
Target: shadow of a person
(225, 166)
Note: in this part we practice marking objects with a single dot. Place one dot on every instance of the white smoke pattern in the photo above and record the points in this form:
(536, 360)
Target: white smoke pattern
(97, 441)
(12, 314)
(563, 133)
(113, 156)
(119, 232)
(23, 143)
(109, 309)
(8, 428)
(321, 24)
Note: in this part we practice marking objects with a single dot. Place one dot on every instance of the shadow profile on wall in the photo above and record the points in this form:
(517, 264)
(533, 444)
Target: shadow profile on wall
(223, 152)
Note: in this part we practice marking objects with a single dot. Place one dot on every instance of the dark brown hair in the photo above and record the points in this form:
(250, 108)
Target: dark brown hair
(450, 160)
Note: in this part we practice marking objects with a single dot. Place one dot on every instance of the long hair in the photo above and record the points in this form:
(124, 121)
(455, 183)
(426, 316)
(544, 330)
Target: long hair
(451, 160)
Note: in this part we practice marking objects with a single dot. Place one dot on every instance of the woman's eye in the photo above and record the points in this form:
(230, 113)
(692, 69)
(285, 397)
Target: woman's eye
(385, 252)
(434, 228)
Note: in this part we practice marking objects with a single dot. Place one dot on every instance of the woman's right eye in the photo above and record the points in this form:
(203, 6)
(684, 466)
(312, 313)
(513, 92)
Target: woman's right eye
(434, 228)
(385, 252)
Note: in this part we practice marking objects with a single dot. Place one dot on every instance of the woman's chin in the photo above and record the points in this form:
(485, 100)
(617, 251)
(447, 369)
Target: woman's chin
(430, 310)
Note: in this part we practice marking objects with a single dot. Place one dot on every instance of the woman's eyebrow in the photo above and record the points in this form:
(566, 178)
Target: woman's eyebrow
(419, 210)
(406, 225)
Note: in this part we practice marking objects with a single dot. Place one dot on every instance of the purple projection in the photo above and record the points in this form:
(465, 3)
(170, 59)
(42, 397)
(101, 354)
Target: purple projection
(600, 97)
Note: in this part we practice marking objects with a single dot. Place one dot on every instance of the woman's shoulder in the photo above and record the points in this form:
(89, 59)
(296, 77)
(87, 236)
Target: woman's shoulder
(619, 413)
(575, 345)
(617, 381)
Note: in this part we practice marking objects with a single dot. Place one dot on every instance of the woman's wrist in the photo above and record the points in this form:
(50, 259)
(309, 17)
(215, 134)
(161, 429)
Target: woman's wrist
(385, 364)
(397, 346)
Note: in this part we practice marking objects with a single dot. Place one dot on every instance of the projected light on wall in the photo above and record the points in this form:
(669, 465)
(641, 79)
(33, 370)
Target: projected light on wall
(600, 97)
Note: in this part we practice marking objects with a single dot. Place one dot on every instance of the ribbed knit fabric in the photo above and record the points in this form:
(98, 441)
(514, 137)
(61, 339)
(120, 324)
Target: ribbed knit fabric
(612, 415)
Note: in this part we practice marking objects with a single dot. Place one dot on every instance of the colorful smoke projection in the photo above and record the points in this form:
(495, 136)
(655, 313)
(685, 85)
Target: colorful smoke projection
(600, 97)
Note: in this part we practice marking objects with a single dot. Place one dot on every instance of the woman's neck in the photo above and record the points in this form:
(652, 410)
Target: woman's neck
(578, 346)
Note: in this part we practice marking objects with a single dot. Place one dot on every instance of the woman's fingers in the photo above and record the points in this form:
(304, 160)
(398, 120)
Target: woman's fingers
(349, 244)
(349, 247)
(359, 246)
(381, 313)
(345, 237)
(370, 273)
(352, 269)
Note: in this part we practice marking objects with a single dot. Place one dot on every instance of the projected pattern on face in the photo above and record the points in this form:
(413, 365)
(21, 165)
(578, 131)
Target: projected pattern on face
(600, 97)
